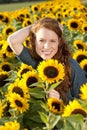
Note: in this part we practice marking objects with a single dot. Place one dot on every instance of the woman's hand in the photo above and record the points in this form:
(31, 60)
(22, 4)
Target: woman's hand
(53, 94)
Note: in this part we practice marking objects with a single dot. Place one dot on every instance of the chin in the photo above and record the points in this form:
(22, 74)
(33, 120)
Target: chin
(47, 58)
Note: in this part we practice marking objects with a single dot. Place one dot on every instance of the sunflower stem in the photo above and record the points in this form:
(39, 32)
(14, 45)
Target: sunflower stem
(46, 90)
(14, 114)
(48, 124)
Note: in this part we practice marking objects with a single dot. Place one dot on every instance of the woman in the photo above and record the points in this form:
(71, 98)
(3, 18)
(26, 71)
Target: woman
(47, 41)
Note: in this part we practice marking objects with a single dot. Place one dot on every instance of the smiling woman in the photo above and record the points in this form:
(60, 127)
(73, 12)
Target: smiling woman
(47, 42)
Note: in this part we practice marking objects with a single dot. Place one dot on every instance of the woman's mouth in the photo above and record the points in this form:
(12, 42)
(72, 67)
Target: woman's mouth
(47, 52)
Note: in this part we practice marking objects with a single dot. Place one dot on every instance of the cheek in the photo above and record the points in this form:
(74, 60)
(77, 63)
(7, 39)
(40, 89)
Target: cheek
(38, 47)
(56, 47)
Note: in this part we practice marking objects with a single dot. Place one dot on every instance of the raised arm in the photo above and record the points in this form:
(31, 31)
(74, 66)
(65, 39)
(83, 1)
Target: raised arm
(16, 39)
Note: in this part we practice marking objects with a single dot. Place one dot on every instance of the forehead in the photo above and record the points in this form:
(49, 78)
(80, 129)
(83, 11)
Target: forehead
(46, 32)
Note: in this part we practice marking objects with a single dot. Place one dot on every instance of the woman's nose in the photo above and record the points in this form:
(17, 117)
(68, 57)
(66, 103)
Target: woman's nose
(46, 45)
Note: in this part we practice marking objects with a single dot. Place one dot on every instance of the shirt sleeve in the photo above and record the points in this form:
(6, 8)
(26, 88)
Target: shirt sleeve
(79, 77)
(26, 58)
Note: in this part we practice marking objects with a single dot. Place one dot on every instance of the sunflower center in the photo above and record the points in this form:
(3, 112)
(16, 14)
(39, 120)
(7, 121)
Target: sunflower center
(51, 72)
(81, 57)
(74, 25)
(80, 46)
(1, 17)
(6, 20)
(85, 68)
(56, 106)
(4, 56)
(18, 91)
(79, 111)
(3, 80)
(18, 103)
(21, 15)
(31, 80)
(35, 8)
(24, 71)
(28, 22)
(6, 67)
(1, 47)
(9, 49)
(6, 110)
(85, 28)
(9, 30)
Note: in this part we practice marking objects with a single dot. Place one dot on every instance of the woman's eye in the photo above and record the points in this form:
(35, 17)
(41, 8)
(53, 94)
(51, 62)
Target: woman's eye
(53, 41)
(41, 40)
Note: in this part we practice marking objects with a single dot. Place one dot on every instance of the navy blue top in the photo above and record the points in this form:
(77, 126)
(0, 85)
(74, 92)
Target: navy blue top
(79, 76)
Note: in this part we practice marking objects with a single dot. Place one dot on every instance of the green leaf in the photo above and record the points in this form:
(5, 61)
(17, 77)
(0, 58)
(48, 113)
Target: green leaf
(54, 119)
(7, 119)
(36, 118)
(54, 85)
(73, 122)
(84, 126)
(37, 92)
(85, 37)
(44, 106)
(39, 84)
(43, 117)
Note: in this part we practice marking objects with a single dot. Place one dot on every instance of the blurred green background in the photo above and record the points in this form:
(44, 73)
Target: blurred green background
(12, 5)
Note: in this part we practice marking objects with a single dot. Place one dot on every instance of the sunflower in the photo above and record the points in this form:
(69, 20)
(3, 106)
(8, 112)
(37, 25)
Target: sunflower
(2, 17)
(20, 17)
(3, 78)
(36, 17)
(55, 105)
(1, 109)
(83, 90)
(5, 66)
(27, 43)
(79, 44)
(51, 15)
(6, 50)
(1, 37)
(51, 71)
(6, 19)
(58, 15)
(10, 125)
(6, 110)
(30, 77)
(35, 8)
(8, 30)
(80, 55)
(18, 103)
(73, 24)
(26, 22)
(84, 27)
(18, 88)
(24, 69)
(81, 20)
(27, 14)
(1, 44)
(66, 14)
(74, 107)
(63, 23)
(83, 64)
(3, 127)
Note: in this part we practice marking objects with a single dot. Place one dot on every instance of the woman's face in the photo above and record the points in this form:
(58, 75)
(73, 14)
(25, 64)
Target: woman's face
(46, 43)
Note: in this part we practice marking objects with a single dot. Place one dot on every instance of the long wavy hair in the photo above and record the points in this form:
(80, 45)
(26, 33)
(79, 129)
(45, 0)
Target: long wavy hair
(63, 54)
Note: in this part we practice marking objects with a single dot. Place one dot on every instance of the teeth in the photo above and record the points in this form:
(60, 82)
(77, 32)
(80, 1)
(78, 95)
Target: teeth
(47, 52)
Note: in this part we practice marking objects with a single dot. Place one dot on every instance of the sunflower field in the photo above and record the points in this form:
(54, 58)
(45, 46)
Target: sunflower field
(24, 102)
